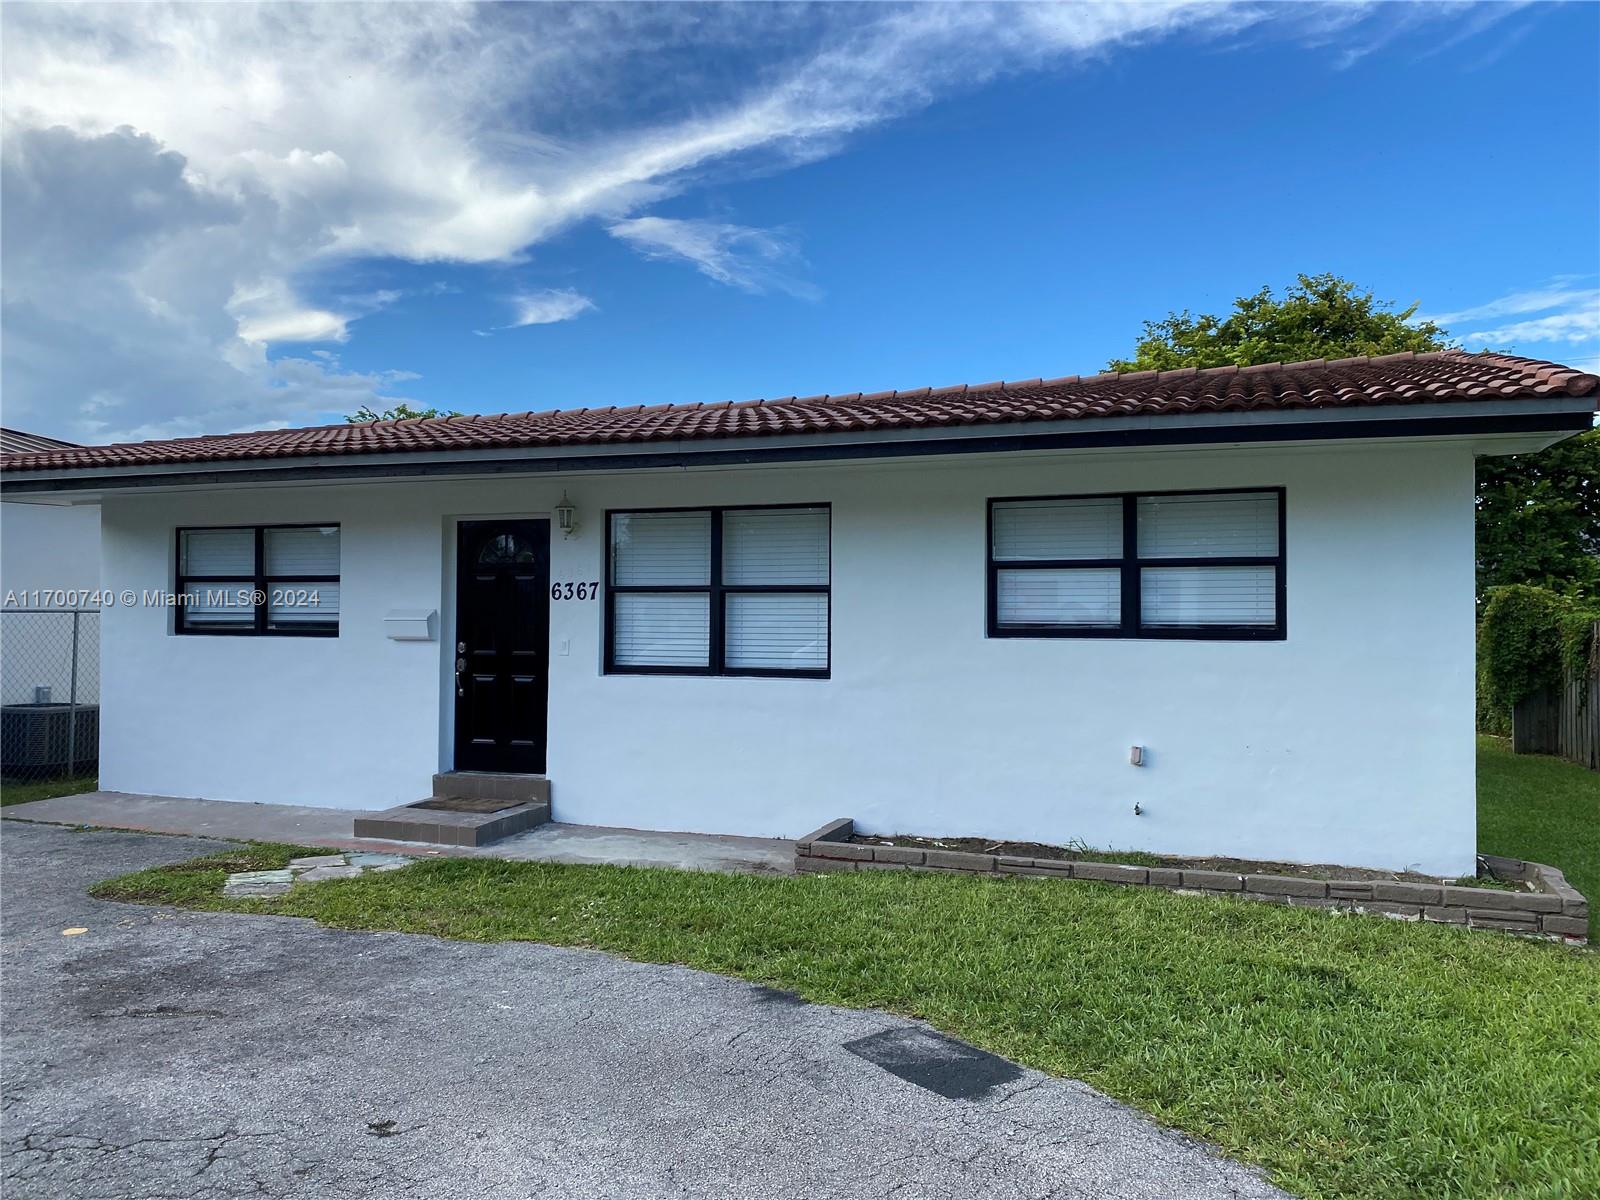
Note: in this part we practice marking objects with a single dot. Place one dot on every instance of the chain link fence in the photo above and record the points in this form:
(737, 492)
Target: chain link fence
(49, 693)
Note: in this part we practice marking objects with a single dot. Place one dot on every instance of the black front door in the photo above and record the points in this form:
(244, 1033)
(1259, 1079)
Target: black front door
(502, 645)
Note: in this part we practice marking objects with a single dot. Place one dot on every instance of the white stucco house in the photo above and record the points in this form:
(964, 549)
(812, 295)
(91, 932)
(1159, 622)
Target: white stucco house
(946, 612)
(47, 549)
(49, 559)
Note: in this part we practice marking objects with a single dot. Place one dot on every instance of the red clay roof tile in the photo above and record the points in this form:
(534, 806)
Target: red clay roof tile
(1404, 378)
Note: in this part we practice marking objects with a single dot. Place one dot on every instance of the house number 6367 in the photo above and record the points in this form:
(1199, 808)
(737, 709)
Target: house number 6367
(575, 591)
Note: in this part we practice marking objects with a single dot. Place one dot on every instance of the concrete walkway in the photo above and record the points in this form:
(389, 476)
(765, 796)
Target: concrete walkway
(331, 827)
(208, 1056)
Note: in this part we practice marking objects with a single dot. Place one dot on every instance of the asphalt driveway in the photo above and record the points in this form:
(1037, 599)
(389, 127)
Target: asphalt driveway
(174, 1054)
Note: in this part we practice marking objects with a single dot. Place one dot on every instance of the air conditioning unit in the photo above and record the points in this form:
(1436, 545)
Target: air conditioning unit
(37, 741)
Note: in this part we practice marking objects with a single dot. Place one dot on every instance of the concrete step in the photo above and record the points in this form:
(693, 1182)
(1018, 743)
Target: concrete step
(408, 823)
(488, 785)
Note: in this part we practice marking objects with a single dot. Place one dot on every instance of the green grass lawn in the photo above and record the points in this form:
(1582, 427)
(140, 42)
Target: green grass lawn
(22, 793)
(1351, 1056)
(1544, 809)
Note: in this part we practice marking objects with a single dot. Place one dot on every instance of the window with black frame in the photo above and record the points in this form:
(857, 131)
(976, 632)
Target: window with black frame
(719, 591)
(266, 580)
(1196, 565)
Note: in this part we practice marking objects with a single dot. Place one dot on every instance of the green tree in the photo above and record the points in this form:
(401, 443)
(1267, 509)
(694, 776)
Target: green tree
(1321, 316)
(1538, 514)
(400, 412)
(1539, 518)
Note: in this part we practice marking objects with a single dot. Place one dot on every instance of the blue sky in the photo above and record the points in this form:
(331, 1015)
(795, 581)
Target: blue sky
(728, 206)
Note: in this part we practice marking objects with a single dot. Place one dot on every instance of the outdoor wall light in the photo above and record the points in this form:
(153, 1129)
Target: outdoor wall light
(566, 516)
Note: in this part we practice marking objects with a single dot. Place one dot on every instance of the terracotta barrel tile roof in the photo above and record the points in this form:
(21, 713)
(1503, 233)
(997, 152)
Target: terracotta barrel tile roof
(1407, 378)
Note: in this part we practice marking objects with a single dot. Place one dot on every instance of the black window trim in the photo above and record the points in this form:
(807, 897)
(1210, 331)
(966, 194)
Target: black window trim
(259, 580)
(1130, 565)
(717, 593)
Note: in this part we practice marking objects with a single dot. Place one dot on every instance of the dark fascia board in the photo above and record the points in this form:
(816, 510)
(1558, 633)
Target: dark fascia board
(352, 467)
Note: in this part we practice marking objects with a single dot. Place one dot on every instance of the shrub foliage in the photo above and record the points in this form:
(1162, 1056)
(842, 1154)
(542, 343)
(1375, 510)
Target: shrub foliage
(1531, 638)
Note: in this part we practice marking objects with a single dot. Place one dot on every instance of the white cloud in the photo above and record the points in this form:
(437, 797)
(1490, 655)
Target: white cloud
(753, 259)
(547, 307)
(1398, 20)
(125, 310)
(179, 178)
(1577, 327)
(268, 312)
(1561, 314)
(294, 325)
(1558, 294)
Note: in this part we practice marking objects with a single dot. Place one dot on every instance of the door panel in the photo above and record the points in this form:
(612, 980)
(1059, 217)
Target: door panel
(527, 706)
(502, 645)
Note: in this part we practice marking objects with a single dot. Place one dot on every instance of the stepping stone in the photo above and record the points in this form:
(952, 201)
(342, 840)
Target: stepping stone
(249, 877)
(248, 891)
(317, 860)
(379, 862)
(258, 883)
(318, 874)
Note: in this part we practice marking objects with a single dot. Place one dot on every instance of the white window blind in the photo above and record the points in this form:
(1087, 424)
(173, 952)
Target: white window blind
(777, 630)
(1177, 596)
(218, 552)
(290, 604)
(1082, 596)
(1232, 525)
(775, 546)
(661, 629)
(655, 549)
(1038, 530)
(293, 552)
(219, 605)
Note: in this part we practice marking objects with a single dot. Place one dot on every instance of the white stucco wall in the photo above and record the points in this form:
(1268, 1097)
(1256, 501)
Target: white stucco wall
(1351, 741)
(49, 558)
(45, 547)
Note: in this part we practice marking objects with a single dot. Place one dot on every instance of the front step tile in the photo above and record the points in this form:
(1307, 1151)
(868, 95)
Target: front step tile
(487, 785)
(410, 824)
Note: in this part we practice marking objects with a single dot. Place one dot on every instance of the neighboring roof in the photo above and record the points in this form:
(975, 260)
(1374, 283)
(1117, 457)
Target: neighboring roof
(1347, 383)
(14, 441)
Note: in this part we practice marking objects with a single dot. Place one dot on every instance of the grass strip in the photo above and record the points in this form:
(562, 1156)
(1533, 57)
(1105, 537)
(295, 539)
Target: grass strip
(45, 789)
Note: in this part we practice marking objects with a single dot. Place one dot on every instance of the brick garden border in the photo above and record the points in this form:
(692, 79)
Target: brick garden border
(1554, 909)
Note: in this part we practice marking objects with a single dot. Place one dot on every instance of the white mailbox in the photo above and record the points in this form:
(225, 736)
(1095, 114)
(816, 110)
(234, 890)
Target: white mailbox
(409, 624)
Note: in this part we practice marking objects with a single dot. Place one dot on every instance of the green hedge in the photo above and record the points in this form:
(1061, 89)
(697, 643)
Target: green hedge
(1529, 639)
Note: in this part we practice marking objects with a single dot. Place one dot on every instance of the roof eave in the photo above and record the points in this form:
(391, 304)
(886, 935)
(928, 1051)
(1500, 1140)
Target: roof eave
(1557, 415)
